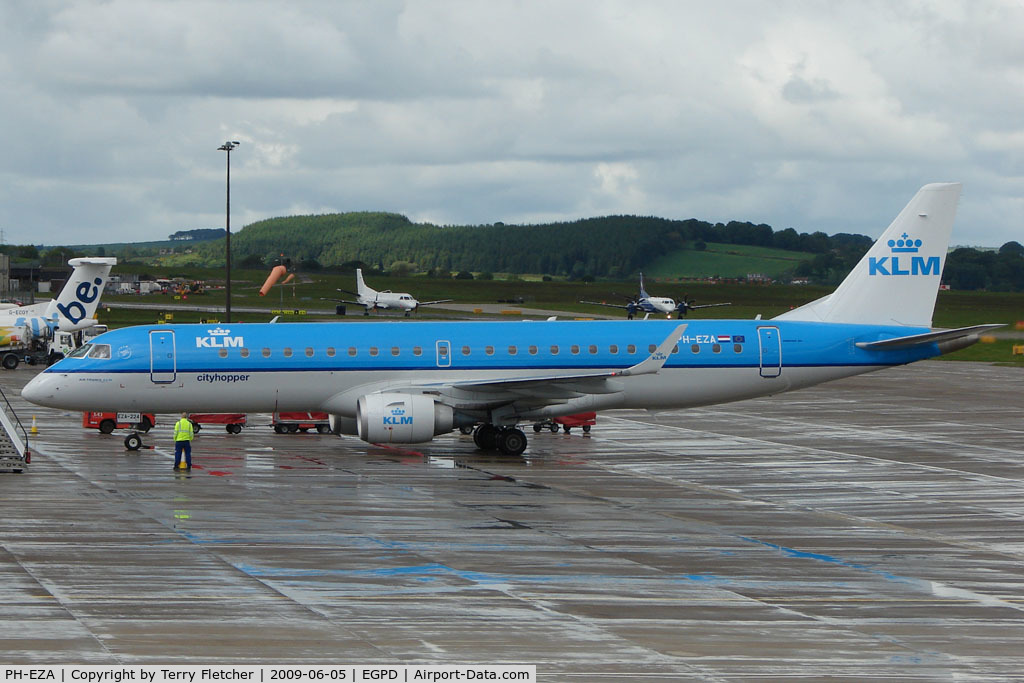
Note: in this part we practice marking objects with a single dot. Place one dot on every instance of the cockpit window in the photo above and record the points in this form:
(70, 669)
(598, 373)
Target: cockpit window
(81, 351)
(99, 351)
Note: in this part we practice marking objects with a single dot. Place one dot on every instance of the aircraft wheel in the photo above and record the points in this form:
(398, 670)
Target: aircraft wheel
(485, 437)
(511, 441)
(554, 427)
(133, 442)
(107, 426)
(196, 427)
(537, 427)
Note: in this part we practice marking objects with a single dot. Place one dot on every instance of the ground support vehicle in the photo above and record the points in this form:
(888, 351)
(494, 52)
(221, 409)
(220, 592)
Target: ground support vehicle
(567, 422)
(301, 422)
(14, 349)
(233, 422)
(108, 422)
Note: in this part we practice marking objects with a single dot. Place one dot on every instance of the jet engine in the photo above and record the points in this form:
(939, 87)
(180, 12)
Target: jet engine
(401, 418)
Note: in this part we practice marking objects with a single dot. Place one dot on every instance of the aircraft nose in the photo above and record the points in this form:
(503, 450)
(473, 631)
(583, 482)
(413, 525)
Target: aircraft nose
(41, 390)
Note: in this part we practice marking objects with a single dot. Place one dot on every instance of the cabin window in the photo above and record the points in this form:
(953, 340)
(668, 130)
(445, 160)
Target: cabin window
(738, 348)
(243, 352)
(575, 349)
(309, 352)
(614, 348)
(533, 350)
(592, 348)
(394, 350)
(695, 348)
(651, 348)
(512, 350)
(716, 348)
(465, 350)
(631, 348)
(330, 352)
(374, 351)
(351, 351)
(489, 350)
(265, 352)
(223, 353)
(417, 350)
(554, 349)
(287, 352)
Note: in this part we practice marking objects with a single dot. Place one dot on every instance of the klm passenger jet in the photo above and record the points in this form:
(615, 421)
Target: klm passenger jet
(405, 382)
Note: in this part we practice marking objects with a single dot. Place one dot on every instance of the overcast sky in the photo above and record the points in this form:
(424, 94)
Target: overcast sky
(812, 115)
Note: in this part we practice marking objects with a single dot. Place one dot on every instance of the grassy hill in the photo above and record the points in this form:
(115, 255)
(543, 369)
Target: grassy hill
(726, 261)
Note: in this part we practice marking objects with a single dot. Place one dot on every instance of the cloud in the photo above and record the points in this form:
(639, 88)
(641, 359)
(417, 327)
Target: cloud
(819, 117)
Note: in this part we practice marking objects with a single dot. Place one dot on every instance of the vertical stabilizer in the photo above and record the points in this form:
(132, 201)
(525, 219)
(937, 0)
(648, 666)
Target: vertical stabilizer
(898, 279)
(361, 288)
(75, 306)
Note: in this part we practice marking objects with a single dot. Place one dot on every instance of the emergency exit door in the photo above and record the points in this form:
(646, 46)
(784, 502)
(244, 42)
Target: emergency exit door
(771, 351)
(162, 362)
(444, 354)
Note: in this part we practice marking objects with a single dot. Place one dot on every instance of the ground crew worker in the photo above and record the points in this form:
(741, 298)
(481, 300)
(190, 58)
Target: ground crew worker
(183, 433)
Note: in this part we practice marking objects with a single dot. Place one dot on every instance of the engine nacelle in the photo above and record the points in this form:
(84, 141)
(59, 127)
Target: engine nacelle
(401, 418)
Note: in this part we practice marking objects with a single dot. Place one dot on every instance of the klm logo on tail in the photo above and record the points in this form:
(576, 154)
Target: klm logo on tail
(918, 265)
(86, 293)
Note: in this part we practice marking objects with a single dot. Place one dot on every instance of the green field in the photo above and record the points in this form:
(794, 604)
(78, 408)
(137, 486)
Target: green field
(953, 309)
(727, 261)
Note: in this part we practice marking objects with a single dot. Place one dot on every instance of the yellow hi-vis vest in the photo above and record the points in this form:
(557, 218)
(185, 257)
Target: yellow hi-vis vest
(183, 430)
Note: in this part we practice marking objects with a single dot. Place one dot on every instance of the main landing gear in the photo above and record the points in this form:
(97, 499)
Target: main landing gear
(508, 440)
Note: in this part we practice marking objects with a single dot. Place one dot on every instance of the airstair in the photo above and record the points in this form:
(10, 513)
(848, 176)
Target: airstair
(14, 452)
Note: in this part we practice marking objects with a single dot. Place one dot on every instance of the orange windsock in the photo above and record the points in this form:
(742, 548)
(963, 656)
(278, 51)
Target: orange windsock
(275, 275)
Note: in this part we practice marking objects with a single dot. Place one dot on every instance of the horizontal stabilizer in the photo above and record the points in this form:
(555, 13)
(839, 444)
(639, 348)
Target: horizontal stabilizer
(927, 338)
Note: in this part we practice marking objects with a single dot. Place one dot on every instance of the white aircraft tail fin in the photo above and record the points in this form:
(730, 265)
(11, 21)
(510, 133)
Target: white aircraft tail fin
(76, 304)
(897, 281)
(361, 288)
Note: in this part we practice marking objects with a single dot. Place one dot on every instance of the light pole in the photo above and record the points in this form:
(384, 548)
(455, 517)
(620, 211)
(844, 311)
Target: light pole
(227, 147)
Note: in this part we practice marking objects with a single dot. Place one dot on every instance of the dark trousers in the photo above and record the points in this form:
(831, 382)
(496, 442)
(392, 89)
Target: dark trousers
(180, 446)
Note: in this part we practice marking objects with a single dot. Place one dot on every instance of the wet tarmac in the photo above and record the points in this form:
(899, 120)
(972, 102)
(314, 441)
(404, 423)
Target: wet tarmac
(872, 528)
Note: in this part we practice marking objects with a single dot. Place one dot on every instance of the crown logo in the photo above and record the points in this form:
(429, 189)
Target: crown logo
(904, 245)
(218, 332)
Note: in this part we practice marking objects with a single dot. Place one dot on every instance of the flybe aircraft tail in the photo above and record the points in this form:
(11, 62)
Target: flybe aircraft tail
(76, 304)
(898, 279)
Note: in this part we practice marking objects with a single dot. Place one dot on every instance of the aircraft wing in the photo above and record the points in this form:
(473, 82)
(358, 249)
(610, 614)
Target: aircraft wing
(541, 390)
(602, 303)
(927, 337)
(344, 301)
(708, 305)
(439, 301)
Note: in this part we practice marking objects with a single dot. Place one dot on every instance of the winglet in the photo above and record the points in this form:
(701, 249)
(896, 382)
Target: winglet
(656, 360)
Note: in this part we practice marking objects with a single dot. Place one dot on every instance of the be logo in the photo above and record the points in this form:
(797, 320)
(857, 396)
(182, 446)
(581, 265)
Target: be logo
(85, 293)
(890, 265)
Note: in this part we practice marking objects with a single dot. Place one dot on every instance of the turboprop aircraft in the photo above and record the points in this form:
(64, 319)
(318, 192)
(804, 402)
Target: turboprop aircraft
(73, 309)
(372, 299)
(405, 382)
(645, 303)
